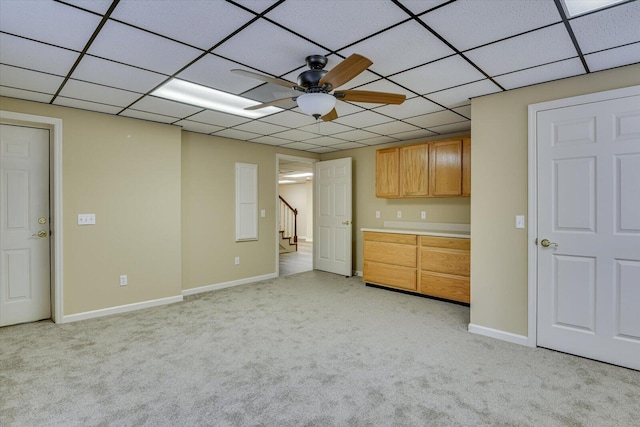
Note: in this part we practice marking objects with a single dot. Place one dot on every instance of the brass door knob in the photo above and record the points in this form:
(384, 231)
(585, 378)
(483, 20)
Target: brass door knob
(41, 233)
(546, 243)
(346, 222)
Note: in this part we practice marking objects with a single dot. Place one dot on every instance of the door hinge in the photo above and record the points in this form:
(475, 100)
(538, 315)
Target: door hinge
(536, 241)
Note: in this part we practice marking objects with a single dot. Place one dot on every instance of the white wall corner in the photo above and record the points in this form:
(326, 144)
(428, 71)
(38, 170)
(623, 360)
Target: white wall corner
(500, 335)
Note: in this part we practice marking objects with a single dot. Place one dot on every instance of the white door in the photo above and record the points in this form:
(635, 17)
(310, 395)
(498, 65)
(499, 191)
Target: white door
(25, 290)
(589, 205)
(333, 225)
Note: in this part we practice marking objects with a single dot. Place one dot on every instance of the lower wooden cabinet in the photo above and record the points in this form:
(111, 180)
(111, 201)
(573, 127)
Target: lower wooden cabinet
(434, 266)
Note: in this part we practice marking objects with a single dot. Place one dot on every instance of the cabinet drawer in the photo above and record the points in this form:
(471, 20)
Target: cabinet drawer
(455, 288)
(391, 253)
(405, 239)
(448, 261)
(390, 275)
(446, 242)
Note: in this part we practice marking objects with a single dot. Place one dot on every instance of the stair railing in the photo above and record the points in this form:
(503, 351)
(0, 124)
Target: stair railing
(288, 220)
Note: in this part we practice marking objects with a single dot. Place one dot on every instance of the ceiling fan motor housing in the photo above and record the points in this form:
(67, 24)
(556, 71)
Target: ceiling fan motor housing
(309, 80)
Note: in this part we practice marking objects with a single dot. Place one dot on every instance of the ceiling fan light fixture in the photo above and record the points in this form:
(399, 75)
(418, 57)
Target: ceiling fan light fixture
(316, 104)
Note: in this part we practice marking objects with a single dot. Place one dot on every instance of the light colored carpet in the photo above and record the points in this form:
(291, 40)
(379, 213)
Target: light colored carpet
(311, 349)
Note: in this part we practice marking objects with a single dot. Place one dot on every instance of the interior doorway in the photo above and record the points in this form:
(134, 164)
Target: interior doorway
(294, 225)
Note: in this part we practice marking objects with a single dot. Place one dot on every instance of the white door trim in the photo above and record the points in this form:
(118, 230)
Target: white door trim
(277, 204)
(11, 117)
(532, 224)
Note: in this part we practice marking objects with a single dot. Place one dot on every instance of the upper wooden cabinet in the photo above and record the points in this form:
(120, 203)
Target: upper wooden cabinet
(433, 169)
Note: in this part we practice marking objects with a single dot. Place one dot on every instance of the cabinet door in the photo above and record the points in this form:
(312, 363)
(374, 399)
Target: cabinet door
(414, 170)
(446, 168)
(387, 168)
(466, 167)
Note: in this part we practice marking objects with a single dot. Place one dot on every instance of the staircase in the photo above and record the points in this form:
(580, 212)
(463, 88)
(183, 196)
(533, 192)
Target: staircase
(288, 227)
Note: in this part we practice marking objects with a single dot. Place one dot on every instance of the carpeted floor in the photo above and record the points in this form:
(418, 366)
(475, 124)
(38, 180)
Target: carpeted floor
(311, 349)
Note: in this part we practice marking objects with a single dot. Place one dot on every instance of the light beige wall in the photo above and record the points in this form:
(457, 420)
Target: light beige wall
(208, 219)
(365, 202)
(499, 182)
(127, 172)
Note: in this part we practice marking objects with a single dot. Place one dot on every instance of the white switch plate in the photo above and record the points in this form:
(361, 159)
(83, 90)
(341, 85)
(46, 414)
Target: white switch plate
(423, 215)
(399, 214)
(123, 280)
(237, 260)
(86, 219)
(263, 213)
(519, 221)
(377, 214)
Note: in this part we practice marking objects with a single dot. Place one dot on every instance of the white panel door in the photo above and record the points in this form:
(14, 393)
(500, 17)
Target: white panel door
(25, 291)
(333, 235)
(589, 212)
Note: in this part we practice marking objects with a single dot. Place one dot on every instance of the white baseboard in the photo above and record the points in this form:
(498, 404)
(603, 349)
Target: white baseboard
(120, 309)
(501, 335)
(357, 273)
(223, 285)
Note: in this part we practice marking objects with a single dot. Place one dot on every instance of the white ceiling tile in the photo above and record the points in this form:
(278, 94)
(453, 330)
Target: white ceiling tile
(36, 56)
(98, 6)
(608, 28)
(86, 105)
(135, 114)
(528, 50)
(402, 47)
(300, 146)
(326, 128)
(543, 73)
(197, 126)
(326, 141)
(439, 75)
(257, 6)
(271, 140)
(434, 119)
(409, 108)
(32, 80)
(199, 23)
(289, 119)
(237, 134)
(348, 146)
(363, 119)
(355, 135)
(465, 111)
(415, 134)
(453, 127)
(273, 50)
(156, 105)
(460, 95)
(128, 45)
(614, 57)
(385, 86)
(420, 6)
(215, 72)
(96, 70)
(391, 128)
(322, 150)
(337, 23)
(378, 140)
(261, 127)
(295, 135)
(49, 21)
(470, 23)
(100, 94)
(24, 94)
(218, 119)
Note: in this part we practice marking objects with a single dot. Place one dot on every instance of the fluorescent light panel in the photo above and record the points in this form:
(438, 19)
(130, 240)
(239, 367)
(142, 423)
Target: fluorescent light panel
(298, 175)
(580, 7)
(285, 181)
(190, 93)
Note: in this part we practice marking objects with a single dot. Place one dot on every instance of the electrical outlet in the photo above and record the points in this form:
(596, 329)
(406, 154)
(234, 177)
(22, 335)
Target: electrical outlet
(237, 260)
(123, 280)
(399, 214)
(423, 215)
(377, 214)
(86, 219)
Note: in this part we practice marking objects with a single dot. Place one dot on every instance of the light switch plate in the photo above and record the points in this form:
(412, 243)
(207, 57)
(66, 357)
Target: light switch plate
(423, 215)
(399, 214)
(377, 214)
(519, 221)
(86, 219)
(263, 213)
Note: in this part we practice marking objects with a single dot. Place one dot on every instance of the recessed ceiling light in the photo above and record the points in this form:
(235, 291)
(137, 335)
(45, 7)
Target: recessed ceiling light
(190, 93)
(299, 175)
(580, 7)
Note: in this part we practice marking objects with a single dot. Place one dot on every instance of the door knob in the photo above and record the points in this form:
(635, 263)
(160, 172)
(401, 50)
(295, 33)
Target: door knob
(546, 243)
(41, 233)
(347, 222)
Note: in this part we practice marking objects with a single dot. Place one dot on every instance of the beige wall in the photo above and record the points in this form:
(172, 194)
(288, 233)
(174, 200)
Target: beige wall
(499, 181)
(208, 194)
(365, 203)
(127, 172)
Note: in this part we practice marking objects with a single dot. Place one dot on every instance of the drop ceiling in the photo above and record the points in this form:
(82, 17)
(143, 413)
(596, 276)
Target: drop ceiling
(108, 56)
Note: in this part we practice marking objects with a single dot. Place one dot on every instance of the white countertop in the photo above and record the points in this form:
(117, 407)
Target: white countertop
(462, 231)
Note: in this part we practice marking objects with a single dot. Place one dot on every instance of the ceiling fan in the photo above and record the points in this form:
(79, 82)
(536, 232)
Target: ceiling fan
(317, 83)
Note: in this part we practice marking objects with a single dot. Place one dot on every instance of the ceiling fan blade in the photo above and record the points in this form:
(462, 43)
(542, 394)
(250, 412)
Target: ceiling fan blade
(345, 71)
(369, 96)
(331, 115)
(270, 103)
(275, 81)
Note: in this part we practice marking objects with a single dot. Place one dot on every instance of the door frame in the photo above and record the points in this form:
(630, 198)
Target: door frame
(277, 203)
(55, 174)
(532, 224)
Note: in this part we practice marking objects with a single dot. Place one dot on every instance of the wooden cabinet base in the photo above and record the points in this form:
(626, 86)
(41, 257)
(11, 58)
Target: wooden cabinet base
(445, 286)
(390, 275)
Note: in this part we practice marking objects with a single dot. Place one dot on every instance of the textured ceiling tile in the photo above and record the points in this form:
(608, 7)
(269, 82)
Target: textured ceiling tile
(326, 128)
(215, 72)
(453, 127)
(122, 43)
(322, 150)
(528, 50)
(613, 57)
(300, 146)
(465, 111)
(36, 56)
(296, 135)
(260, 127)
(355, 135)
(363, 119)
(86, 105)
(326, 141)
(391, 128)
(49, 22)
(348, 145)
(388, 50)
(271, 140)
(153, 104)
(197, 126)
(470, 23)
(31, 80)
(143, 115)
(461, 95)
(608, 28)
(348, 21)
(414, 134)
(434, 119)
(100, 94)
(290, 119)
(237, 134)
(218, 118)
(24, 94)
(420, 6)
(96, 70)
(257, 6)
(543, 73)
(378, 140)
(189, 22)
(409, 108)
(98, 6)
